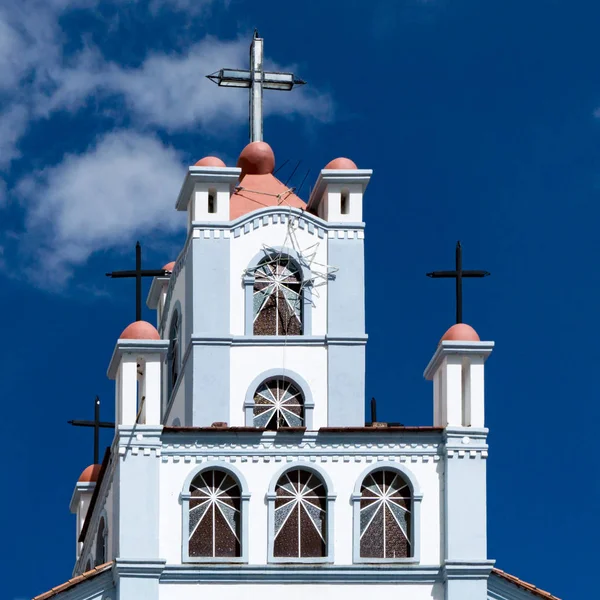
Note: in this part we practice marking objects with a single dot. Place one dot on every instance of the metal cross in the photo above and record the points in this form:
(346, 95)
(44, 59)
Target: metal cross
(96, 424)
(138, 273)
(458, 274)
(257, 80)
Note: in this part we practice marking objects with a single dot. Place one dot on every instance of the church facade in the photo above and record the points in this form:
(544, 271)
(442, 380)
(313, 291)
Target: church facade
(241, 461)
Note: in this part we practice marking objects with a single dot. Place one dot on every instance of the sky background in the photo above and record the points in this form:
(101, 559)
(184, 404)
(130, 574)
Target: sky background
(481, 123)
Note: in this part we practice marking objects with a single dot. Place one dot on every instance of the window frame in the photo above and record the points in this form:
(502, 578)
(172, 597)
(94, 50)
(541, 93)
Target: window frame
(416, 498)
(329, 516)
(248, 281)
(289, 376)
(244, 515)
(173, 386)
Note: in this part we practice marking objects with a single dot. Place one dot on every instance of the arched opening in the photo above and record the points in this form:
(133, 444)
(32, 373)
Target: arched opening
(278, 403)
(385, 516)
(277, 297)
(214, 515)
(300, 515)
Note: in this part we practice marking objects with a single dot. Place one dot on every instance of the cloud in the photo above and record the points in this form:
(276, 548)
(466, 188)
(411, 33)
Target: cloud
(13, 124)
(171, 92)
(124, 185)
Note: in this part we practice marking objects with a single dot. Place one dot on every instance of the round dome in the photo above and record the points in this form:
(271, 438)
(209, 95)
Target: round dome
(341, 163)
(169, 266)
(140, 330)
(90, 474)
(461, 332)
(257, 158)
(210, 161)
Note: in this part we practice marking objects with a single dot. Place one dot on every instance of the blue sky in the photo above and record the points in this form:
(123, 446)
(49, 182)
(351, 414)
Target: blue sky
(480, 121)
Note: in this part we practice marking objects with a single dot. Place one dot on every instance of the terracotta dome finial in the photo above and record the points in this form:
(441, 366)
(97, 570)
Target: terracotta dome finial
(341, 163)
(210, 161)
(140, 330)
(90, 474)
(257, 158)
(461, 332)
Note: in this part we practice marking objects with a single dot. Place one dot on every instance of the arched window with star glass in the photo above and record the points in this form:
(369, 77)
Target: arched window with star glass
(277, 297)
(300, 516)
(174, 355)
(214, 516)
(278, 403)
(385, 516)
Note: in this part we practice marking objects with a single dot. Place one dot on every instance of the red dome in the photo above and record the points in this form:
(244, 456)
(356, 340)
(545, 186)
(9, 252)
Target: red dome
(257, 158)
(169, 266)
(90, 474)
(341, 163)
(210, 161)
(461, 332)
(140, 330)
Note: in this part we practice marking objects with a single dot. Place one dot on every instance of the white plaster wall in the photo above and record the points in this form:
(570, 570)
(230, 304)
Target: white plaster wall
(291, 591)
(248, 362)
(177, 410)
(248, 245)
(259, 475)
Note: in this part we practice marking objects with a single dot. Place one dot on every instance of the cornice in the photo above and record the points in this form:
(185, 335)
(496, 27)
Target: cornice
(449, 348)
(287, 573)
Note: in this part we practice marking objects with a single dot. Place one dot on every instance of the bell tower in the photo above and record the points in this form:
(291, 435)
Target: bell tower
(267, 298)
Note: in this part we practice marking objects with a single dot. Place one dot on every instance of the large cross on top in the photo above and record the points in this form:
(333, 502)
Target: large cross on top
(257, 80)
(458, 275)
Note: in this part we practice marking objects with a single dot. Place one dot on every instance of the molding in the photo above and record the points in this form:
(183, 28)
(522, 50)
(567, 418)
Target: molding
(279, 340)
(289, 376)
(343, 176)
(156, 288)
(209, 175)
(81, 487)
(140, 347)
(290, 573)
(139, 568)
(449, 348)
(466, 569)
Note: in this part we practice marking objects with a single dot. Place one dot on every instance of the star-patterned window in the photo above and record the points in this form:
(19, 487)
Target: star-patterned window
(101, 543)
(174, 352)
(277, 297)
(300, 517)
(385, 516)
(214, 515)
(278, 403)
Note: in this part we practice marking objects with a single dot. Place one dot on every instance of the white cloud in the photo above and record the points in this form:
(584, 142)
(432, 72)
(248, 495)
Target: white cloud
(125, 185)
(127, 182)
(13, 123)
(172, 92)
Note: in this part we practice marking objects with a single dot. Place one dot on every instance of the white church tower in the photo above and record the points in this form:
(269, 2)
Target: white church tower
(241, 463)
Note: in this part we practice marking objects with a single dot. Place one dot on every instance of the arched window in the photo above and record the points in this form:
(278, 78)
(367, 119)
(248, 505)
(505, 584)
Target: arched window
(278, 403)
(214, 515)
(101, 543)
(174, 353)
(277, 297)
(300, 516)
(385, 516)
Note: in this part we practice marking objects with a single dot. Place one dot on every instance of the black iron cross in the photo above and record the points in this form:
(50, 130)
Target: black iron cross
(138, 273)
(96, 424)
(458, 274)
